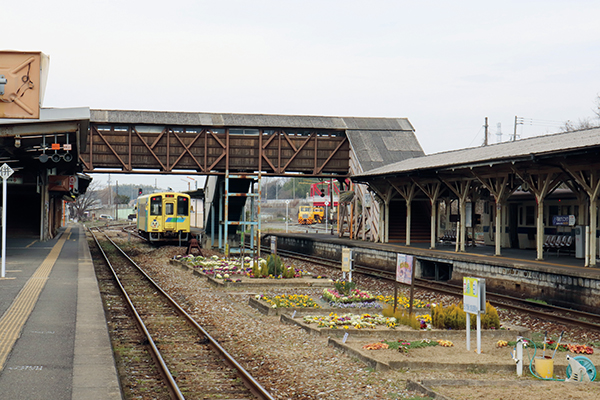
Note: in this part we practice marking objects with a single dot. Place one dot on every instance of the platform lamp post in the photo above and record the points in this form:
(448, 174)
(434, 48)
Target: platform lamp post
(5, 172)
(326, 214)
(287, 218)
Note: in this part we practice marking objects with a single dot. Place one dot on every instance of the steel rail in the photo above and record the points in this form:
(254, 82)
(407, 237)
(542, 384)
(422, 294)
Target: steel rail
(164, 370)
(252, 384)
(133, 232)
(454, 290)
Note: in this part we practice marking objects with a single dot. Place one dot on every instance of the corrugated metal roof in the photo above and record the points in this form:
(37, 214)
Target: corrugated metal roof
(247, 120)
(538, 146)
(216, 119)
(375, 149)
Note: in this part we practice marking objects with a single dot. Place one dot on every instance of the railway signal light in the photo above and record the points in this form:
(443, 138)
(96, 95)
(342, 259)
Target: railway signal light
(139, 191)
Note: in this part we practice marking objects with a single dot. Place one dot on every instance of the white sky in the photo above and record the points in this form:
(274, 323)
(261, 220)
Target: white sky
(443, 65)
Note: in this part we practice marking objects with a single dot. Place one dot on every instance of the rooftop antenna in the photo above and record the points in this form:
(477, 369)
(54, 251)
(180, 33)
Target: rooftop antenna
(499, 132)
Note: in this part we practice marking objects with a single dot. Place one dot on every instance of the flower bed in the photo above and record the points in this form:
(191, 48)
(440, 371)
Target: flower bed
(552, 345)
(402, 302)
(289, 301)
(345, 321)
(403, 346)
(356, 305)
(354, 296)
(219, 267)
(230, 269)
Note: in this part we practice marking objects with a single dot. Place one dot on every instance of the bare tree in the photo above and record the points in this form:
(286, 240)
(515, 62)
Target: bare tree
(585, 123)
(582, 123)
(83, 202)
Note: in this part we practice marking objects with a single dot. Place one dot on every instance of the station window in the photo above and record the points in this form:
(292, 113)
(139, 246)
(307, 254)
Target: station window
(169, 209)
(530, 215)
(156, 205)
(183, 205)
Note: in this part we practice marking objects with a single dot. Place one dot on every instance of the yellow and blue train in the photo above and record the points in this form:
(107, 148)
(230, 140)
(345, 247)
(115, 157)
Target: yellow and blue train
(164, 216)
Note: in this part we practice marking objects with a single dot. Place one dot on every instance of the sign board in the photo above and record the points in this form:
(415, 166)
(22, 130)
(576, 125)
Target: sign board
(469, 214)
(326, 203)
(274, 244)
(22, 83)
(474, 303)
(6, 171)
(404, 267)
(346, 259)
(474, 295)
(563, 220)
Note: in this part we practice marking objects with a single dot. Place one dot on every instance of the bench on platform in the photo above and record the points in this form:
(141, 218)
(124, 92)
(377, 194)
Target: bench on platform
(558, 243)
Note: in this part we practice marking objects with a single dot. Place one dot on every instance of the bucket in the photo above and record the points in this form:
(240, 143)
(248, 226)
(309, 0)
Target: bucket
(544, 367)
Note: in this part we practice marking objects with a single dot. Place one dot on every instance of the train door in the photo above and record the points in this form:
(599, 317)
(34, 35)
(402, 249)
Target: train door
(156, 220)
(170, 219)
(183, 211)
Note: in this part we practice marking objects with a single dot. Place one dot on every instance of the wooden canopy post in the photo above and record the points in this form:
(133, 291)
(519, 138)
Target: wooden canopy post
(498, 188)
(540, 184)
(432, 191)
(581, 195)
(461, 189)
(589, 179)
(407, 191)
(386, 224)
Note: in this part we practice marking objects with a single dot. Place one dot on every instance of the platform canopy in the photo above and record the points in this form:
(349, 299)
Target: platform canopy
(538, 165)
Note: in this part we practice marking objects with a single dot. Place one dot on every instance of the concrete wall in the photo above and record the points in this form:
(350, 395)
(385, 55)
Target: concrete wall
(551, 286)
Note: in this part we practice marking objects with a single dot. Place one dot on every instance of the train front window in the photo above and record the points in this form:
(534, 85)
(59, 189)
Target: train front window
(156, 205)
(169, 209)
(183, 205)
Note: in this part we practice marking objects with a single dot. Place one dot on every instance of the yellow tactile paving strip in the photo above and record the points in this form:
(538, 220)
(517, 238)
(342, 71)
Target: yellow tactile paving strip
(16, 315)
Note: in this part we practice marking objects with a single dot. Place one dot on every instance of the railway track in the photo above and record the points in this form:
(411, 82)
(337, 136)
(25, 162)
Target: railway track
(193, 364)
(545, 311)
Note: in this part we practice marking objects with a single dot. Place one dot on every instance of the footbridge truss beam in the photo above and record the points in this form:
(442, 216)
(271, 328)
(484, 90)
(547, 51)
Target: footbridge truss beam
(129, 148)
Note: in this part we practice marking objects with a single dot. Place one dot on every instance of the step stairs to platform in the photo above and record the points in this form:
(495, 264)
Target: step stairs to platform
(420, 223)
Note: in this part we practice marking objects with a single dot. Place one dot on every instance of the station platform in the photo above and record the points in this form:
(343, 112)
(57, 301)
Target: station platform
(559, 279)
(54, 341)
(515, 258)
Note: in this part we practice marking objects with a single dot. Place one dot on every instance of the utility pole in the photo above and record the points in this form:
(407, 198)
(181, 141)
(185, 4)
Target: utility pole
(117, 201)
(109, 192)
(485, 140)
